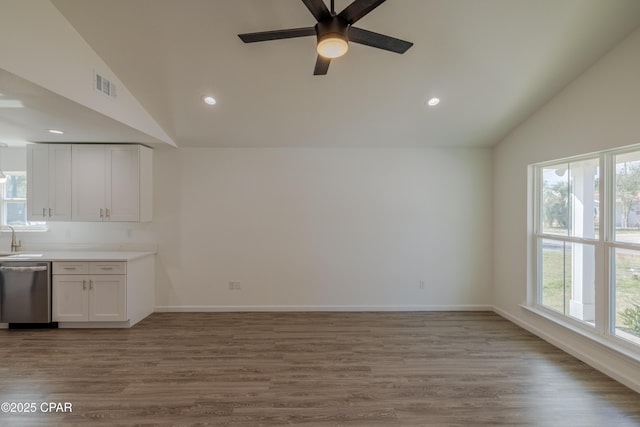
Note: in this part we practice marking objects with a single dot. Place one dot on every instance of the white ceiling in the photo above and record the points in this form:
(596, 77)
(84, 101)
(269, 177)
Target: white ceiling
(492, 62)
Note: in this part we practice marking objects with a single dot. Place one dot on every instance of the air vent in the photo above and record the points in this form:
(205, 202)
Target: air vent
(105, 86)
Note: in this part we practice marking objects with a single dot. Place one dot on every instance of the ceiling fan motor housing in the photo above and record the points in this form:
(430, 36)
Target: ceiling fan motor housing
(335, 28)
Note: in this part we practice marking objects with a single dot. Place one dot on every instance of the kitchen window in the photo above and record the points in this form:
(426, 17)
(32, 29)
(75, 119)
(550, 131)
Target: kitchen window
(586, 245)
(14, 203)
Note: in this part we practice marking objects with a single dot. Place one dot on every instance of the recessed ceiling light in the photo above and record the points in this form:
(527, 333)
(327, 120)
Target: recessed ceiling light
(56, 131)
(209, 100)
(433, 102)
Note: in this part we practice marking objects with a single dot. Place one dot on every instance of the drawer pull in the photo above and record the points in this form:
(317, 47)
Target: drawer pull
(106, 268)
(68, 268)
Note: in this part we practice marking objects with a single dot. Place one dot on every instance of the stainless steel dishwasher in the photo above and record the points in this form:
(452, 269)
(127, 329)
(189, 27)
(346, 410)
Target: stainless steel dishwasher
(25, 292)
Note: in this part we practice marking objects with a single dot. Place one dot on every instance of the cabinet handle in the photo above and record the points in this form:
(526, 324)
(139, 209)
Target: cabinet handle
(90, 284)
(106, 268)
(84, 285)
(49, 212)
(43, 212)
(101, 213)
(69, 268)
(108, 212)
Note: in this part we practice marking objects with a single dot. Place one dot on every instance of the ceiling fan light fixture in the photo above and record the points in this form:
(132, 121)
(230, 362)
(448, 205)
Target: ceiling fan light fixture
(332, 38)
(332, 47)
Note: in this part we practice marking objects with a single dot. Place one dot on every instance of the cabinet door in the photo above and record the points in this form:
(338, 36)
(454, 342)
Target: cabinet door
(70, 298)
(123, 183)
(88, 187)
(107, 298)
(59, 182)
(37, 182)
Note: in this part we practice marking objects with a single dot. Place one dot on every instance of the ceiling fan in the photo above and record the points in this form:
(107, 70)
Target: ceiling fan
(334, 31)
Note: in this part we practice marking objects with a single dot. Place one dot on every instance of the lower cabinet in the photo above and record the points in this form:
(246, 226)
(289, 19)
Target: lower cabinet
(89, 291)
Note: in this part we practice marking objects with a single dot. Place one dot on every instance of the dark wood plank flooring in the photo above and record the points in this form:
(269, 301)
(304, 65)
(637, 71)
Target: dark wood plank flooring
(324, 369)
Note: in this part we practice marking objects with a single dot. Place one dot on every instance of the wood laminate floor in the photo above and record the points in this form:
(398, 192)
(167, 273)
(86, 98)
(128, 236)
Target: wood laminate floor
(324, 369)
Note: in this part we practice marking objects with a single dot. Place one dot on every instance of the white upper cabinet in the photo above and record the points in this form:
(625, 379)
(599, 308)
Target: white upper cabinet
(88, 183)
(111, 182)
(49, 182)
(123, 183)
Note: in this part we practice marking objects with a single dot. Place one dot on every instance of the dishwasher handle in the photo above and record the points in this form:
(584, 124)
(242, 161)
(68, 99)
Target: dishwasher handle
(24, 269)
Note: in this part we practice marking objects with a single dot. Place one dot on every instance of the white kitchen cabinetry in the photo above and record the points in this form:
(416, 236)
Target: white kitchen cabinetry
(49, 182)
(111, 182)
(89, 291)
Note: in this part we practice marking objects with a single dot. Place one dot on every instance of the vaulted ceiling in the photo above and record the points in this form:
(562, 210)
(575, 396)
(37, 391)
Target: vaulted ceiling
(491, 62)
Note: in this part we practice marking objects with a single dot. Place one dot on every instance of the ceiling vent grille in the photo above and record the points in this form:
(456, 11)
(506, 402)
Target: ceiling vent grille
(105, 86)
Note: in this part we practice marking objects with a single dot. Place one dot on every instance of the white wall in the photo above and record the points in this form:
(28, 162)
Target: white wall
(305, 229)
(13, 159)
(323, 228)
(599, 110)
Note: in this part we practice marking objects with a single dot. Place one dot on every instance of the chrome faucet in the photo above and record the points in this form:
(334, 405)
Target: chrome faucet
(14, 245)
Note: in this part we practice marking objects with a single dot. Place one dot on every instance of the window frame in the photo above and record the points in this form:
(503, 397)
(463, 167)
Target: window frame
(603, 328)
(29, 226)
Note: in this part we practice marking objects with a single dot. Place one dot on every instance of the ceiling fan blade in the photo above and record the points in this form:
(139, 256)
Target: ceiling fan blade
(318, 9)
(277, 34)
(369, 38)
(358, 9)
(322, 66)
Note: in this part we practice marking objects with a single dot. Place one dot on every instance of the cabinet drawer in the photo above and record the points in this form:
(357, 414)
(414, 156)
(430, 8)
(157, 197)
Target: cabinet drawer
(107, 267)
(70, 267)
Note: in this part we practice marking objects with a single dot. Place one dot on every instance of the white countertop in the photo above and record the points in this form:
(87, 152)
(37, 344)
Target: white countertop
(73, 255)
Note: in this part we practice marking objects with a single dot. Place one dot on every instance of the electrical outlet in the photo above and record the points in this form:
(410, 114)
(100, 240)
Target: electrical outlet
(234, 285)
(421, 285)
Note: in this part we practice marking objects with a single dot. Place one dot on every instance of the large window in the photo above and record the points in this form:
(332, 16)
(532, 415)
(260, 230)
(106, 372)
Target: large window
(586, 242)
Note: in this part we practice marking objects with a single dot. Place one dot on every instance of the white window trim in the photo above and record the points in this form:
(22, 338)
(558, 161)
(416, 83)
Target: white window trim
(609, 341)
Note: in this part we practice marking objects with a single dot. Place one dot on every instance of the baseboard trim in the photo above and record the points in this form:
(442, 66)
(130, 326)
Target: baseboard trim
(262, 308)
(568, 348)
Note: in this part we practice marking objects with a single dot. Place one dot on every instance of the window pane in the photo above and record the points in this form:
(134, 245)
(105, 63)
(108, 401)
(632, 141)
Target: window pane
(16, 186)
(584, 177)
(627, 197)
(568, 279)
(555, 199)
(570, 198)
(627, 294)
(16, 213)
(554, 276)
